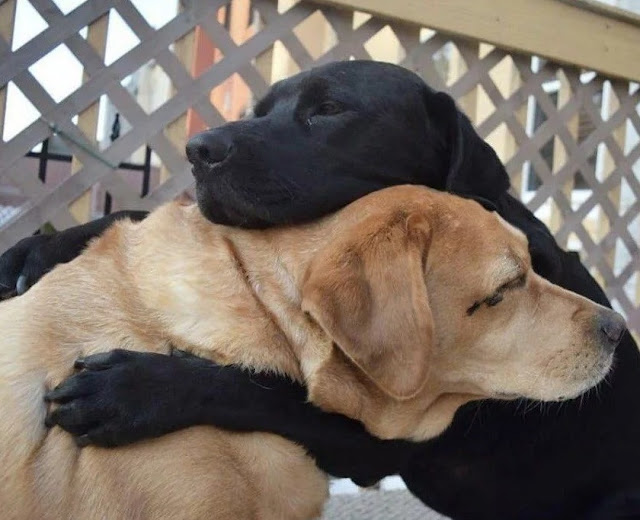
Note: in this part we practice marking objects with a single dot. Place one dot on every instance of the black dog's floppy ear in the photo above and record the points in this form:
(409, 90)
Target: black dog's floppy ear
(474, 167)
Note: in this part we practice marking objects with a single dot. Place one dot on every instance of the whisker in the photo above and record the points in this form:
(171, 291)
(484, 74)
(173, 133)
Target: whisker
(473, 419)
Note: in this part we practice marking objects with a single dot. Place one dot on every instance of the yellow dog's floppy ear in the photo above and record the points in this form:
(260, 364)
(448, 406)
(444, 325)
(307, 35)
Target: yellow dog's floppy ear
(367, 291)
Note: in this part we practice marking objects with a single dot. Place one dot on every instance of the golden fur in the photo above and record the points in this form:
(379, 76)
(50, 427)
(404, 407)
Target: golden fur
(383, 309)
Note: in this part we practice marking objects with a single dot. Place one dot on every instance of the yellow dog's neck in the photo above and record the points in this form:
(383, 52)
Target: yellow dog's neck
(224, 293)
(235, 296)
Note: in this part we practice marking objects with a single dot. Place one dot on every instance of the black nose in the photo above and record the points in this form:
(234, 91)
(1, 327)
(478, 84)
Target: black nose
(611, 327)
(208, 148)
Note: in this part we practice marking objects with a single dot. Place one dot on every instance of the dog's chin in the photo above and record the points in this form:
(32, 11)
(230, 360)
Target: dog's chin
(221, 204)
(506, 396)
(600, 371)
(555, 391)
(582, 385)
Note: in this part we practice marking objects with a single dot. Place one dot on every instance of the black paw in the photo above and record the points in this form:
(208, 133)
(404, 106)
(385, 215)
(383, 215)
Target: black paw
(33, 257)
(25, 263)
(120, 397)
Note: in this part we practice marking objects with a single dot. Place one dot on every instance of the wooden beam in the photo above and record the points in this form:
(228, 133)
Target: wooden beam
(560, 158)
(619, 135)
(176, 130)
(562, 32)
(88, 118)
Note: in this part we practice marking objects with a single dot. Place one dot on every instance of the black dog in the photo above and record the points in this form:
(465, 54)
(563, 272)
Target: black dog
(318, 141)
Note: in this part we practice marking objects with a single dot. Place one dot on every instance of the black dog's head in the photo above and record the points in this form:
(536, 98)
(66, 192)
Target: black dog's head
(325, 137)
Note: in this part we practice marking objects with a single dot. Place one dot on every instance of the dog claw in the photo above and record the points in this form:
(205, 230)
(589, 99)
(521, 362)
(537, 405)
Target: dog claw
(176, 352)
(21, 284)
(79, 364)
(82, 440)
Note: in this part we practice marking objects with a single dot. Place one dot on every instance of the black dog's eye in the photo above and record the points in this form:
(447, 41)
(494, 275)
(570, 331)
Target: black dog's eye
(259, 112)
(262, 108)
(327, 108)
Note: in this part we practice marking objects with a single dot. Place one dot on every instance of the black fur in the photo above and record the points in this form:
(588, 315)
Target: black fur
(320, 140)
(33, 257)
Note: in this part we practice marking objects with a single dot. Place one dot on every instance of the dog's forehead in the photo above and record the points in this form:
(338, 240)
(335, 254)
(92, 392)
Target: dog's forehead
(349, 79)
(489, 236)
(517, 242)
(318, 84)
(511, 229)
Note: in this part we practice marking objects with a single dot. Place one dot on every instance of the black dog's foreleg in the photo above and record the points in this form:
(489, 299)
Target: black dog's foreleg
(30, 259)
(122, 396)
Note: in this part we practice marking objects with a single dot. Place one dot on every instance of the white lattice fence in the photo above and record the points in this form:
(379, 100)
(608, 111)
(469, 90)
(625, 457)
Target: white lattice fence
(568, 137)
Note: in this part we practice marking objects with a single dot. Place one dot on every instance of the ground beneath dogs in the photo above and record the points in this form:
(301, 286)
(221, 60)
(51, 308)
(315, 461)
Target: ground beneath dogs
(391, 501)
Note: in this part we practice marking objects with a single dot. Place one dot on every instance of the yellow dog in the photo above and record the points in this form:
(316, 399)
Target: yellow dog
(394, 311)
